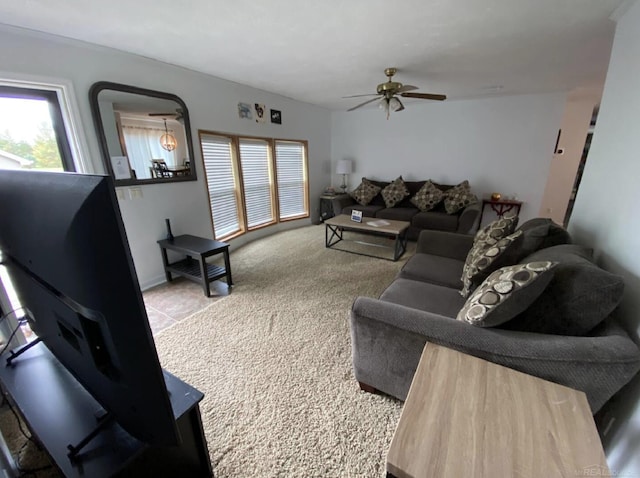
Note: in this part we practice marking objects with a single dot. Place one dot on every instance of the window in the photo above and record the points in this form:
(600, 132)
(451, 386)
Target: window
(32, 130)
(253, 182)
(220, 174)
(256, 182)
(37, 133)
(292, 183)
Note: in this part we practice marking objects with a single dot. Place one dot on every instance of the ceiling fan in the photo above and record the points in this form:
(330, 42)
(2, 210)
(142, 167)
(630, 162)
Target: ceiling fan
(388, 92)
(179, 115)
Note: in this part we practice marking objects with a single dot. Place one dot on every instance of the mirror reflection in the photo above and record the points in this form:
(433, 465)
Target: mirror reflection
(144, 134)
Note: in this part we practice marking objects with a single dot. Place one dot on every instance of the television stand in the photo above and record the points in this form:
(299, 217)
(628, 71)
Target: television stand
(59, 411)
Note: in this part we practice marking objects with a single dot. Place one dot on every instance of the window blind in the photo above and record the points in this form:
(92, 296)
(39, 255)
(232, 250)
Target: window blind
(290, 168)
(254, 162)
(218, 165)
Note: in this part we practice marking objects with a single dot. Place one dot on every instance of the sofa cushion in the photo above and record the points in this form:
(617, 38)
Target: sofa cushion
(579, 296)
(377, 199)
(459, 197)
(540, 233)
(427, 197)
(365, 192)
(497, 229)
(397, 213)
(506, 293)
(395, 192)
(413, 187)
(485, 257)
(424, 296)
(435, 269)
(439, 221)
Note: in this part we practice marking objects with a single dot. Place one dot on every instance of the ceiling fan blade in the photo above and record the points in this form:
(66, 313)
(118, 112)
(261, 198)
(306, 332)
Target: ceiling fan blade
(406, 88)
(424, 96)
(357, 96)
(362, 104)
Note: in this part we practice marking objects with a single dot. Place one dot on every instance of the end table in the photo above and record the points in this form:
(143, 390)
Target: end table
(465, 416)
(500, 207)
(326, 205)
(195, 267)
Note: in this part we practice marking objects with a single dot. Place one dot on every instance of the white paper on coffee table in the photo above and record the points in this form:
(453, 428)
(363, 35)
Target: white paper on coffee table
(378, 223)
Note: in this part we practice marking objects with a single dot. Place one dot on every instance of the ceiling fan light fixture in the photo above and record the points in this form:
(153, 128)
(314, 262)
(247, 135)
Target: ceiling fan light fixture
(167, 140)
(395, 104)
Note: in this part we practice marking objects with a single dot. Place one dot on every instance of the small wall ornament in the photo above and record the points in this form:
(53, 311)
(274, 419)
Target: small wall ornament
(276, 116)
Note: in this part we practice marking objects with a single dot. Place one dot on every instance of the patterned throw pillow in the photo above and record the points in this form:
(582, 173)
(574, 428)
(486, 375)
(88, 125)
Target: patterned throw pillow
(427, 197)
(459, 197)
(395, 192)
(506, 293)
(365, 192)
(498, 229)
(485, 257)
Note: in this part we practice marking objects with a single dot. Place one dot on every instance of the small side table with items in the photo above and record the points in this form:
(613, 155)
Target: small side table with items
(500, 206)
(195, 267)
(326, 205)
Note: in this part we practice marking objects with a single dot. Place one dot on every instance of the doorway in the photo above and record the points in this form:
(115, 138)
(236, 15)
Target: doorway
(581, 165)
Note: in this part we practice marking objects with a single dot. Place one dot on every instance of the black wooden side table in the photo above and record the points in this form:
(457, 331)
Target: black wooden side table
(195, 267)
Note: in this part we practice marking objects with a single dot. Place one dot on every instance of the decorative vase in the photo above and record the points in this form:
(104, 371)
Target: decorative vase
(494, 197)
(169, 233)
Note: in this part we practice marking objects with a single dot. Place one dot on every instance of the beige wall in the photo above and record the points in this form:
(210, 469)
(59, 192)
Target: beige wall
(575, 126)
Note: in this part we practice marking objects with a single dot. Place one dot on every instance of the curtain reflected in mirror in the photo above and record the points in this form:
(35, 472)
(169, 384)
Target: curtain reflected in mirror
(144, 134)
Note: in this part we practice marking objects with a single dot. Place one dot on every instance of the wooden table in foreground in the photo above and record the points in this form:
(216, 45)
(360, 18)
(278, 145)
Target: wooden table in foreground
(468, 417)
(397, 230)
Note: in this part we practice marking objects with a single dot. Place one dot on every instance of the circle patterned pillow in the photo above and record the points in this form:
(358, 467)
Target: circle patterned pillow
(459, 197)
(395, 192)
(485, 256)
(497, 229)
(365, 192)
(428, 197)
(506, 293)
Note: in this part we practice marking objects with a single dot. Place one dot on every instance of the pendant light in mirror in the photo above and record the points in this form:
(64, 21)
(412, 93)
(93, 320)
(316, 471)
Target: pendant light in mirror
(167, 140)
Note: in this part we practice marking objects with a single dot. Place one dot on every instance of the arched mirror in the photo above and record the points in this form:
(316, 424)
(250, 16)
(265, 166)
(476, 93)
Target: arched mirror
(145, 135)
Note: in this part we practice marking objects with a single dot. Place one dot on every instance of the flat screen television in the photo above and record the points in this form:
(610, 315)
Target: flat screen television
(65, 248)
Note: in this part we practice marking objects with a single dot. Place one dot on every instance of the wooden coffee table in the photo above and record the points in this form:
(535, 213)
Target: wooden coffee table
(335, 226)
(468, 417)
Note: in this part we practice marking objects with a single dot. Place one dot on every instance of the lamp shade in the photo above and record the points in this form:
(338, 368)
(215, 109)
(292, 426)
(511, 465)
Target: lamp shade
(344, 166)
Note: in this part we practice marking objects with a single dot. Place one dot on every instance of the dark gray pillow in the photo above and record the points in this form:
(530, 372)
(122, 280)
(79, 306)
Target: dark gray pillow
(578, 298)
(540, 233)
(506, 293)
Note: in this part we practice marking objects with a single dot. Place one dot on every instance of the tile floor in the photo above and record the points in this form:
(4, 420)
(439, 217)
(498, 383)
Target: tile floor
(171, 302)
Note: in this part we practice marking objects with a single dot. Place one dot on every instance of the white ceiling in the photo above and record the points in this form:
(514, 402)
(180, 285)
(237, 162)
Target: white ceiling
(319, 51)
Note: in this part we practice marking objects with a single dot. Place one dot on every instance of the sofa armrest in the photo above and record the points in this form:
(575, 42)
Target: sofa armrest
(340, 203)
(469, 219)
(391, 338)
(444, 244)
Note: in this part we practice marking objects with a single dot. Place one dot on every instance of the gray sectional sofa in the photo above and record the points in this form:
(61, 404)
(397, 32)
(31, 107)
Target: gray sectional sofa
(568, 335)
(464, 221)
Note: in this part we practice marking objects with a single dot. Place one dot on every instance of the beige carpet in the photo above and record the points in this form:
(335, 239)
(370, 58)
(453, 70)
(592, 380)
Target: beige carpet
(274, 362)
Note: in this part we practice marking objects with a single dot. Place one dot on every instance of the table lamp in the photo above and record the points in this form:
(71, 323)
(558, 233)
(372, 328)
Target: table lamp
(344, 167)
